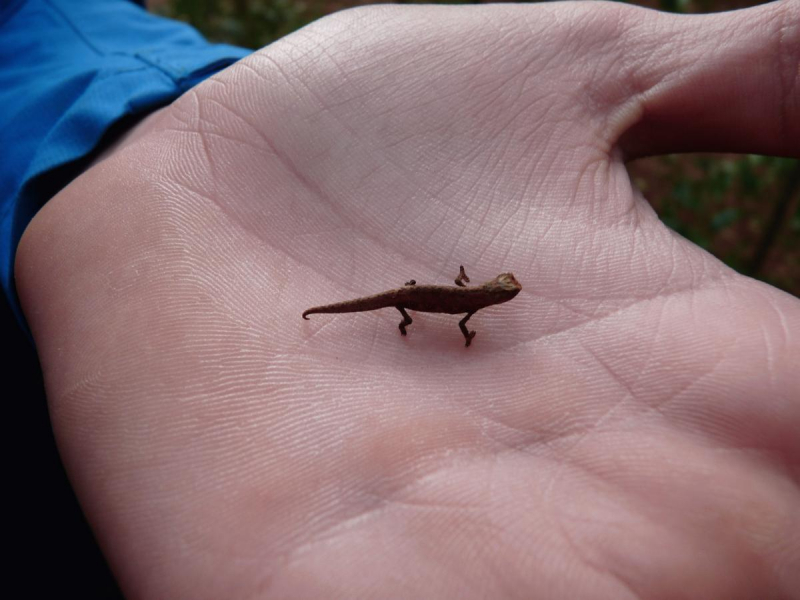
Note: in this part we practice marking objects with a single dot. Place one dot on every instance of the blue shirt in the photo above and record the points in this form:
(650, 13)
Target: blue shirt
(72, 74)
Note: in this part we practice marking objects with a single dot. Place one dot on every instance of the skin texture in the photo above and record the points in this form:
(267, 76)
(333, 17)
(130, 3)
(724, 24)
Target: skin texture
(433, 298)
(629, 430)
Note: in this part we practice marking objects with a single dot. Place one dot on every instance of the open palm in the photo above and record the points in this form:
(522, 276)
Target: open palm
(625, 427)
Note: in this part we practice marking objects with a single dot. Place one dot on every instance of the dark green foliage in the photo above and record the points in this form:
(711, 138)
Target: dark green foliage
(247, 23)
(743, 209)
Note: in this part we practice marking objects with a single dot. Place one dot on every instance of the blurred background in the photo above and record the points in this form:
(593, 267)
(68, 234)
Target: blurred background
(743, 209)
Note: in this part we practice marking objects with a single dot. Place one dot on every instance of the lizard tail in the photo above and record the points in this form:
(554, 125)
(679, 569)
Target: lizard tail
(359, 305)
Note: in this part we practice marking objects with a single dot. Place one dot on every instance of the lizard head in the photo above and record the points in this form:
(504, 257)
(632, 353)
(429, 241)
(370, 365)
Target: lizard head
(506, 283)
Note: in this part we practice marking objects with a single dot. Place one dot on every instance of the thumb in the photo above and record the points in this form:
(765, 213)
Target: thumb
(725, 82)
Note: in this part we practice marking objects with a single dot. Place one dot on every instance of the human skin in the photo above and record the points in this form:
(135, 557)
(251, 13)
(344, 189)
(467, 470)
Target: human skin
(626, 428)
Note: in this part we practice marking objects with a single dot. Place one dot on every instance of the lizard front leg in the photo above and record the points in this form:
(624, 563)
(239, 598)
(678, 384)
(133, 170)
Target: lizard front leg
(462, 277)
(468, 335)
(406, 319)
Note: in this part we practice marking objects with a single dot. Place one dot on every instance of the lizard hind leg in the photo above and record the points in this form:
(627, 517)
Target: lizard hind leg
(468, 335)
(406, 319)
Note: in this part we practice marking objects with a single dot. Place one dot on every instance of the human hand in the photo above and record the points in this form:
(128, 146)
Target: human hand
(626, 427)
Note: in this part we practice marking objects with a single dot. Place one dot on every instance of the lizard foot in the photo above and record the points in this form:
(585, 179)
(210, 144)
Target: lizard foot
(406, 319)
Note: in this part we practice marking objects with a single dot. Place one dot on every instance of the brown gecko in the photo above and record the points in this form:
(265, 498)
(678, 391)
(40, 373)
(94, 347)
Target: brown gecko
(433, 299)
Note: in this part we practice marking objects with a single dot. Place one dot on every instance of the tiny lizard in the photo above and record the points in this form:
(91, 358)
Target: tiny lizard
(434, 299)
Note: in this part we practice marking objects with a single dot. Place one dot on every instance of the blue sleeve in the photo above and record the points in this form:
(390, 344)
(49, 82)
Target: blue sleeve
(72, 74)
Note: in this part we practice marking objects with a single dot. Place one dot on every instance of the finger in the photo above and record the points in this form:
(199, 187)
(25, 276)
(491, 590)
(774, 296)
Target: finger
(725, 82)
